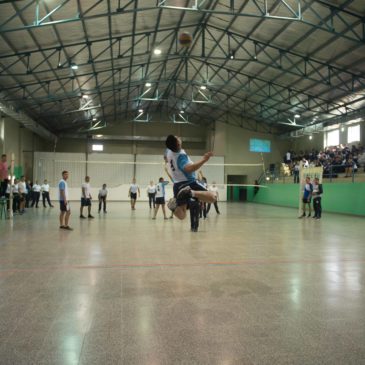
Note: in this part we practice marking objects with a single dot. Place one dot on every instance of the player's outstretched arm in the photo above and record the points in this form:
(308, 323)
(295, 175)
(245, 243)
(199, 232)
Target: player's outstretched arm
(197, 165)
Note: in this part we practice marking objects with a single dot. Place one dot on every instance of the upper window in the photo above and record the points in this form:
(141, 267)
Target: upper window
(97, 147)
(353, 134)
(333, 138)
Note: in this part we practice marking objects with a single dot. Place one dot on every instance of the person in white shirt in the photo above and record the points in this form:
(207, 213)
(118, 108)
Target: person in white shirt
(133, 189)
(86, 198)
(45, 194)
(64, 202)
(36, 194)
(160, 197)
(214, 189)
(15, 191)
(103, 193)
(151, 191)
(22, 194)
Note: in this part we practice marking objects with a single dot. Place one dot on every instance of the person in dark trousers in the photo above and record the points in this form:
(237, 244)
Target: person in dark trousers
(203, 206)
(36, 189)
(214, 189)
(151, 191)
(4, 172)
(317, 198)
(307, 196)
(29, 197)
(256, 188)
(296, 172)
(45, 194)
(103, 193)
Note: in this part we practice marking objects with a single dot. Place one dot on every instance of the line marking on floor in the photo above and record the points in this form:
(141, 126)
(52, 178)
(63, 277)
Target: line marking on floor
(177, 265)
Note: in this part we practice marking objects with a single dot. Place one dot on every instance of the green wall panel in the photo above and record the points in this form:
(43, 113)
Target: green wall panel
(344, 198)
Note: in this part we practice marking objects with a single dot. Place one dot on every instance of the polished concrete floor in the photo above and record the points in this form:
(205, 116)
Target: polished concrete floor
(256, 285)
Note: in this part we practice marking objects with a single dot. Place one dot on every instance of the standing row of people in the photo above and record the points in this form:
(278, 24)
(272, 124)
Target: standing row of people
(26, 194)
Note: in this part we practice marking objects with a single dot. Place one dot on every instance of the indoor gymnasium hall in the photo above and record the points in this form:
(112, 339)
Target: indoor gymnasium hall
(182, 182)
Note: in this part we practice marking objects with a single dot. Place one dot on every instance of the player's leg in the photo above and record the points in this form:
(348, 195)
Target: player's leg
(164, 211)
(194, 206)
(62, 214)
(156, 210)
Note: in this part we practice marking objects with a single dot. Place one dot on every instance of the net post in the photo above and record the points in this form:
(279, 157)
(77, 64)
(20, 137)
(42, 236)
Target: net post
(12, 164)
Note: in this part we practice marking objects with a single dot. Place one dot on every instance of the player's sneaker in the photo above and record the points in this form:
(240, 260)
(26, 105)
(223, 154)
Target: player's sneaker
(171, 204)
(184, 193)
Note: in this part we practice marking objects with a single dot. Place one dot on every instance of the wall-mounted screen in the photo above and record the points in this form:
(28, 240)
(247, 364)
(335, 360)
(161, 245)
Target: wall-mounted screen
(260, 145)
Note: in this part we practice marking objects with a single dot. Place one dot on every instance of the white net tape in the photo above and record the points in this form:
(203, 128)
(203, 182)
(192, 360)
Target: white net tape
(117, 170)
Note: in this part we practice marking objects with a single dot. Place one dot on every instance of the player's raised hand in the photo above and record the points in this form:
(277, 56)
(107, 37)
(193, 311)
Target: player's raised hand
(207, 155)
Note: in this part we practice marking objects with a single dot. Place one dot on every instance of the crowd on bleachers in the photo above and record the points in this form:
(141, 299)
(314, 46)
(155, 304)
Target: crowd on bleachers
(334, 160)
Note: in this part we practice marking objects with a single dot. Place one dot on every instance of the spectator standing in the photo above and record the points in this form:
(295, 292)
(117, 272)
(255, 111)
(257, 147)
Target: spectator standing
(86, 198)
(296, 172)
(307, 196)
(29, 197)
(256, 188)
(16, 199)
(22, 194)
(36, 194)
(317, 197)
(3, 175)
(288, 157)
(103, 193)
(45, 194)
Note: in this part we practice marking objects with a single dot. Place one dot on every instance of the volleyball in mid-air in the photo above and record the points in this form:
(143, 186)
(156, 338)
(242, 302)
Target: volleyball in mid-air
(185, 39)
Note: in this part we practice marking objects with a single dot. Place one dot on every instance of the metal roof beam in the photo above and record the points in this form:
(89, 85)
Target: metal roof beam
(335, 16)
(261, 9)
(77, 18)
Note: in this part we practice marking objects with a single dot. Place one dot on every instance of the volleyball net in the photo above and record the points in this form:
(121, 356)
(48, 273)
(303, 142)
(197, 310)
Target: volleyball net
(118, 170)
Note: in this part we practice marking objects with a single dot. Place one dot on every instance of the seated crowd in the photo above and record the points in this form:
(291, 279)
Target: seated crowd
(334, 160)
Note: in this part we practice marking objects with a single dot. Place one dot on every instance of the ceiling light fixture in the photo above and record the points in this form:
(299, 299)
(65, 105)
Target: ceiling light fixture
(203, 87)
(140, 110)
(296, 116)
(74, 66)
(148, 84)
(157, 51)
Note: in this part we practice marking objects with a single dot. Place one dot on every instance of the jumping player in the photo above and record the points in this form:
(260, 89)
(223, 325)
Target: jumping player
(182, 171)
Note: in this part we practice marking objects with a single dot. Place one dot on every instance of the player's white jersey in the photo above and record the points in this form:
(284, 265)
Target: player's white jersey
(160, 189)
(176, 162)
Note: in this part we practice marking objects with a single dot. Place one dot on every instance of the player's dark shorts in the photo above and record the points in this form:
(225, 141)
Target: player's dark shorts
(63, 206)
(22, 197)
(195, 185)
(134, 196)
(85, 202)
(160, 201)
(306, 200)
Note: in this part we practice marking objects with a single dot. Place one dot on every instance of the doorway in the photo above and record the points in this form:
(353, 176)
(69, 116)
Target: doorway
(236, 193)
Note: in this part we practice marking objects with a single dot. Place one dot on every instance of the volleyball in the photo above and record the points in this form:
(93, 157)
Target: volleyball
(185, 39)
